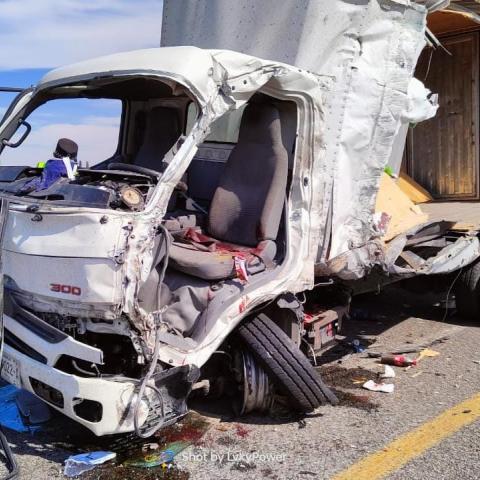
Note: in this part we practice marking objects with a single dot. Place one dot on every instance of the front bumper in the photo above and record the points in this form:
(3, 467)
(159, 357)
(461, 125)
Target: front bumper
(102, 405)
(112, 398)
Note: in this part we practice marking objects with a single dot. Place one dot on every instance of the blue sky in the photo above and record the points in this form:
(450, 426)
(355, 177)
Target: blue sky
(38, 35)
(18, 78)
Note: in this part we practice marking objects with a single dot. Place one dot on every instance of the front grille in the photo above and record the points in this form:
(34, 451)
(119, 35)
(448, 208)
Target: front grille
(13, 341)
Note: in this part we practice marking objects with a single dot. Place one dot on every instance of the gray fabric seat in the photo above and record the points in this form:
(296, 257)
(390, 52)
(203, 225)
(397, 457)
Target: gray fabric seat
(202, 264)
(247, 206)
(162, 129)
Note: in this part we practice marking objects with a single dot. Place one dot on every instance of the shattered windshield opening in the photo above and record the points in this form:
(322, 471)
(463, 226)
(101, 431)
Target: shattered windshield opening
(92, 124)
(102, 144)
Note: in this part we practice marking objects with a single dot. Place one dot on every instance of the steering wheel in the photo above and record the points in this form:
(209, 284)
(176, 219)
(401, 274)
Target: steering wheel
(128, 167)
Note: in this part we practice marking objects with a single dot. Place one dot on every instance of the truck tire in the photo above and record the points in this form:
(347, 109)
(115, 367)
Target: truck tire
(467, 292)
(286, 365)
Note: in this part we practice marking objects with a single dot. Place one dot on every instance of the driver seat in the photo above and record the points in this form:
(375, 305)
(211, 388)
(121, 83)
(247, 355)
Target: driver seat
(246, 208)
(162, 130)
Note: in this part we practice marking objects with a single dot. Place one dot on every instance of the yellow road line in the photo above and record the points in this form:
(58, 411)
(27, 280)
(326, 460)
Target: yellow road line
(414, 443)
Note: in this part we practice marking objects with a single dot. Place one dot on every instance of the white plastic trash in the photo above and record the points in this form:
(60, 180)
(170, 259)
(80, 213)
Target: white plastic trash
(84, 462)
(379, 387)
(388, 373)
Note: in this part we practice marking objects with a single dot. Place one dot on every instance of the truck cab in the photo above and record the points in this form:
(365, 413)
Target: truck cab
(145, 263)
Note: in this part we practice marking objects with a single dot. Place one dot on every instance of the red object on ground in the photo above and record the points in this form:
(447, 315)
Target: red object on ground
(397, 360)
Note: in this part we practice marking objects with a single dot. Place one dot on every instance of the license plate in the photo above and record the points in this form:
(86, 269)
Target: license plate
(10, 370)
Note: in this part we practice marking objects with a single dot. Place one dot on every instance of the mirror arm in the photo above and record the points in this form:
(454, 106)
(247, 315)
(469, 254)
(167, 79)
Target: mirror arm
(16, 144)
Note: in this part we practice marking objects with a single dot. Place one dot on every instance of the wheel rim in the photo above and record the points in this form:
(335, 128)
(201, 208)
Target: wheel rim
(257, 387)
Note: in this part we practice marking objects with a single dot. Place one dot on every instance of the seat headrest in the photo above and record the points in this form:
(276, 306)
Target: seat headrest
(162, 129)
(258, 124)
(162, 121)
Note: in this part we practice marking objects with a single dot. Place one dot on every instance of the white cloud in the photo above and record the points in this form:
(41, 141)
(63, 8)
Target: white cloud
(110, 121)
(96, 142)
(48, 33)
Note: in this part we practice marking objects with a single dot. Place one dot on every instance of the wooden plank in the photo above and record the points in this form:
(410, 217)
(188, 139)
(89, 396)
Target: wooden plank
(415, 192)
(404, 214)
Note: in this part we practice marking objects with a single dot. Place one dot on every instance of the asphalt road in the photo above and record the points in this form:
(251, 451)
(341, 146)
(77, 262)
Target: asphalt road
(327, 443)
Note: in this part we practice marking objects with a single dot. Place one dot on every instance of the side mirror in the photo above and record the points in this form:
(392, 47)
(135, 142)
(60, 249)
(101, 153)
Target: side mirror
(23, 136)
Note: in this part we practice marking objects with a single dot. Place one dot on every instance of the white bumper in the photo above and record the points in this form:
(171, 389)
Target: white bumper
(115, 397)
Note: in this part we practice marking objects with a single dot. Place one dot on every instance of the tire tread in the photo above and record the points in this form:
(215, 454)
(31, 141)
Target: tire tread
(285, 363)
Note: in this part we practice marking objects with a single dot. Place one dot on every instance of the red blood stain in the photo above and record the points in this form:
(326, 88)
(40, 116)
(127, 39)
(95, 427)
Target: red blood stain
(188, 431)
(241, 431)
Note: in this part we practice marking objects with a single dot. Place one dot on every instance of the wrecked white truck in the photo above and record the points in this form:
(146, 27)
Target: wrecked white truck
(187, 263)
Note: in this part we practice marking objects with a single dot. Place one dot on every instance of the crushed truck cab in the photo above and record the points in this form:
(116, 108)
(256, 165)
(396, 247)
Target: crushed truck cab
(218, 248)
(106, 271)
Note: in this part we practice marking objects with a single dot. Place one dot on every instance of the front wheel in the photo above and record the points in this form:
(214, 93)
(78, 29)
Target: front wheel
(286, 365)
(467, 292)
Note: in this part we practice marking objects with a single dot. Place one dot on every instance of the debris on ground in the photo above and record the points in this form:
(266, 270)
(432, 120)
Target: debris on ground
(84, 462)
(341, 377)
(169, 442)
(427, 352)
(359, 380)
(408, 348)
(354, 400)
(10, 415)
(357, 346)
(302, 423)
(241, 431)
(345, 381)
(388, 373)
(379, 387)
(243, 466)
(158, 458)
(150, 446)
(398, 360)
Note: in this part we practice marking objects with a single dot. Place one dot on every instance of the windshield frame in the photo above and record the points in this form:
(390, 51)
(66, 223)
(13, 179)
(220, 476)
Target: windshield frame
(19, 110)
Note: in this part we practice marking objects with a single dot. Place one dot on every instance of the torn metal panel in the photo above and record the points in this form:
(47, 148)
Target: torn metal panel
(421, 106)
(454, 257)
(189, 66)
(364, 53)
(223, 81)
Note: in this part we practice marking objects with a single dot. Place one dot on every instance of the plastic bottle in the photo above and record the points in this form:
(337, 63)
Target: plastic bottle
(397, 360)
(357, 346)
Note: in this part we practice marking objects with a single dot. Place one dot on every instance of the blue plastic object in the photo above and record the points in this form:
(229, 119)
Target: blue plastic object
(357, 346)
(84, 462)
(10, 416)
(53, 170)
